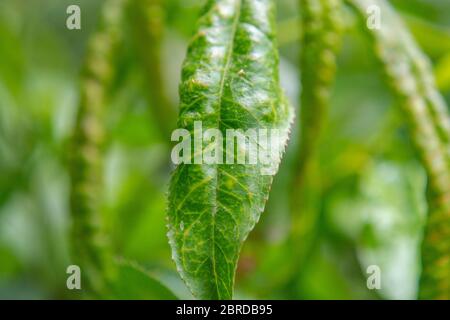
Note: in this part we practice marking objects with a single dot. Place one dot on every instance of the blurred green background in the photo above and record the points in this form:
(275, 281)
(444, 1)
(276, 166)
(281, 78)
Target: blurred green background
(372, 200)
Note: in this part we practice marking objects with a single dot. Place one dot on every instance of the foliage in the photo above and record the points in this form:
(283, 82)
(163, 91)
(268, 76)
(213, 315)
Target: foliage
(409, 74)
(86, 175)
(229, 81)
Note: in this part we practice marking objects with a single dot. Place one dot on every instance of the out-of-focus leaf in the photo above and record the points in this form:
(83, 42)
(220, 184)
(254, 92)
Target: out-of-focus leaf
(442, 73)
(172, 280)
(408, 71)
(384, 221)
(134, 282)
(435, 40)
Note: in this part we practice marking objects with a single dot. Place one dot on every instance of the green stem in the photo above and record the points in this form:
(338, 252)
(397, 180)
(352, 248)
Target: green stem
(148, 17)
(410, 78)
(322, 30)
(89, 242)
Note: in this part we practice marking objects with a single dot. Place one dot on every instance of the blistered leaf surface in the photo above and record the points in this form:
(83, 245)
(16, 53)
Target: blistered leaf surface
(229, 81)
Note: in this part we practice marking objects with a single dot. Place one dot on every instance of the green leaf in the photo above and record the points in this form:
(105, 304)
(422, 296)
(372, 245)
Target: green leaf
(134, 282)
(433, 38)
(442, 73)
(229, 81)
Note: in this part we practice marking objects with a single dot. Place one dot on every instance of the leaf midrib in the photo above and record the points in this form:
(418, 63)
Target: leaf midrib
(228, 60)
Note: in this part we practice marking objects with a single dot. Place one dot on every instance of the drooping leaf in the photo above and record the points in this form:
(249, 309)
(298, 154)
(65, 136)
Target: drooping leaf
(229, 81)
(410, 77)
(134, 282)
